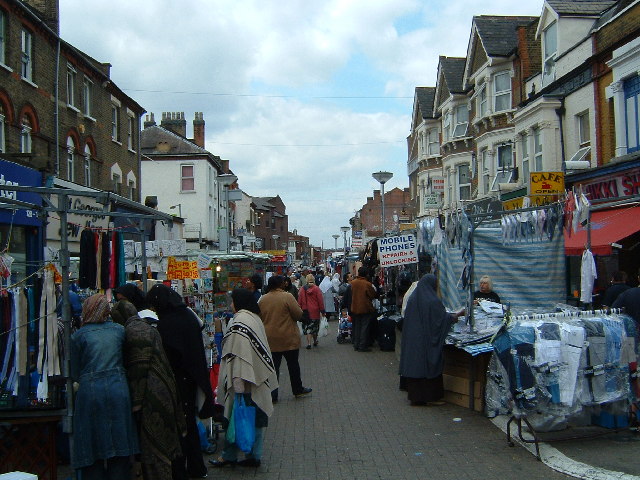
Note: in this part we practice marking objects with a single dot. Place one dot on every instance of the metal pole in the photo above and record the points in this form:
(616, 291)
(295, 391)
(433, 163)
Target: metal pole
(344, 253)
(383, 226)
(144, 255)
(66, 314)
(226, 197)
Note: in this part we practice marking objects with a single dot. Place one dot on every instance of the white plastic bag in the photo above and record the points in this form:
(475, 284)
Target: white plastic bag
(300, 328)
(324, 327)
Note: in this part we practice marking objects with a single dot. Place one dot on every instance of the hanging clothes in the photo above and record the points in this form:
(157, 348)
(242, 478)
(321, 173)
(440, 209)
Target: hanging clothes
(87, 267)
(588, 275)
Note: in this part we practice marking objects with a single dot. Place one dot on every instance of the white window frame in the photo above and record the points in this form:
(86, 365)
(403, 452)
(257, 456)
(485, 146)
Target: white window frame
(87, 166)
(26, 57)
(460, 129)
(434, 143)
(504, 169)
(549, 57)
(130, 130)
(116, 178)
(583, 129)
(71, 85)
(481, 99)
(87, 96)
(71, 164)
(446, 125)
(25, 136)
(132, 186)
(184, 177)
(501, 93)
(538, 164)
(461, 185)
(485, 164)
(115, 120)
(526, 167)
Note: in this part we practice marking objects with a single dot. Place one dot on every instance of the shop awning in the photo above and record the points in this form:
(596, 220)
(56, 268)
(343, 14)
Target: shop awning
(607, 227)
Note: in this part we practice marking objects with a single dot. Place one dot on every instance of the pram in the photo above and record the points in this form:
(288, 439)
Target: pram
(345, 330)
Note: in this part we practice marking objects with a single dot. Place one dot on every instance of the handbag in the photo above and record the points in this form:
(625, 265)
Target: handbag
(245, 424)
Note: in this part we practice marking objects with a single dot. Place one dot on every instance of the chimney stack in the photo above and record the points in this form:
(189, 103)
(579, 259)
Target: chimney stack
(49, 11)
(149, 120)
(175, 122)
(198, 129)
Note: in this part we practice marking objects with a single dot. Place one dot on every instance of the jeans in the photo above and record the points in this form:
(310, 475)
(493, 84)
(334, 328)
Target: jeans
(291, 356)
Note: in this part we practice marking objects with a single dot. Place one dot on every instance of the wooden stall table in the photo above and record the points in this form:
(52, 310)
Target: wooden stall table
(28, 442)
(465, 377)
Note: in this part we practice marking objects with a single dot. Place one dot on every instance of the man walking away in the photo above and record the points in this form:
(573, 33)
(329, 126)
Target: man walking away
(362, 310)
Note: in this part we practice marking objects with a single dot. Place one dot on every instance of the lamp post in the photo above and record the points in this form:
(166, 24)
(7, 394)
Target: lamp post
(382, 178)
(275, 241)
(179, 206)
(344, 251)
(335, 239)
(226, 180)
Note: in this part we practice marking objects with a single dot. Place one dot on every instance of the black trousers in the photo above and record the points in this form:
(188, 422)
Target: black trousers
(192, 461)
(291, 356)
(361, 330)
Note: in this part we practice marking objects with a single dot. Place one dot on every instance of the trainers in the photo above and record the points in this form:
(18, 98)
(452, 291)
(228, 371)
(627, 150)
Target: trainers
(308, 347)
(305, 391)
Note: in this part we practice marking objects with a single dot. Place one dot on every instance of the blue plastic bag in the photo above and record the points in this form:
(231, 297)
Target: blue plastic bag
(245, 424)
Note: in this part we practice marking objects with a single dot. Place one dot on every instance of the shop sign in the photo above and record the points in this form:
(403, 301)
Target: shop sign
(437, 184)
(534, 201)
(407, 226)
(179, 270)
(432, 200)
(13, 174)
(357, 242)
(357, 234)
(398, 250)
(613, 187)
(546, 183)
(77, 222)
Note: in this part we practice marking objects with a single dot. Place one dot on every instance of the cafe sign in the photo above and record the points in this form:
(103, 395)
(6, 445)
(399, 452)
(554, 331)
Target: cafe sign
(546, 183)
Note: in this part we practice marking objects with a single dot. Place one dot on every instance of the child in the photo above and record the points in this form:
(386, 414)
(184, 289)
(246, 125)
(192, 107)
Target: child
(344, 327)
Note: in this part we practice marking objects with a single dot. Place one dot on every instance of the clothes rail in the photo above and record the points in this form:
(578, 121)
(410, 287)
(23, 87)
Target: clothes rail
(568, 315)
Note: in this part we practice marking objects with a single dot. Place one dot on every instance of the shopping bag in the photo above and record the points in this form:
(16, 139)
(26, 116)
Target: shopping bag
(245, 419)
(300, 328)
(324, 327)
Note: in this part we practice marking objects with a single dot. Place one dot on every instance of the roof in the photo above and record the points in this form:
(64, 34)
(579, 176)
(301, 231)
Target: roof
(453, 71)
(153, 136)
(580, 7)
(612, 13)
(498, 33)
(426, 97)
(262, 203)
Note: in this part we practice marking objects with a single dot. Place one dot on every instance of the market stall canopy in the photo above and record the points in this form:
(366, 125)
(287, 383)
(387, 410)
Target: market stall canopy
(607, 227)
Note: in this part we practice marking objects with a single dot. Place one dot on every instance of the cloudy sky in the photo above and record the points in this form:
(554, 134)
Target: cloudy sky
(305, 99)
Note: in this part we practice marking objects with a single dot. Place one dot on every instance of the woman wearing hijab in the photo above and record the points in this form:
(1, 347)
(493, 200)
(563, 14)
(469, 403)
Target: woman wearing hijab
(103, 397)
(326, 287)
(288, 286)
(154, 397)
(424, 329)
(182, 342)
(246, 368)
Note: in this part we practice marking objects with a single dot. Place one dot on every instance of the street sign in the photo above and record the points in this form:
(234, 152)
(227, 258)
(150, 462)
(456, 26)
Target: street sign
(432, 200)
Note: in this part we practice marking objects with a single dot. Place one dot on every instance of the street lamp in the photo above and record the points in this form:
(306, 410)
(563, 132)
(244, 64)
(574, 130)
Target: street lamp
(335, 238)
(344, 251)
(275, 241)
(226, 180)
(382, 178)
(179, 206)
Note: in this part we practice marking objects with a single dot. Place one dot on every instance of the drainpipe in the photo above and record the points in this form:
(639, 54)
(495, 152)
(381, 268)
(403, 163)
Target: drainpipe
(560, 111)
(56, 115)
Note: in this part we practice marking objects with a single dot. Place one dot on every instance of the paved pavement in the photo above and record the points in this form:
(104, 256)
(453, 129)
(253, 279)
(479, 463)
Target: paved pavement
(358, 425)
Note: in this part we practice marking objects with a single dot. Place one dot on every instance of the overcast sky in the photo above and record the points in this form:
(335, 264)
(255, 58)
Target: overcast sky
(305, 98)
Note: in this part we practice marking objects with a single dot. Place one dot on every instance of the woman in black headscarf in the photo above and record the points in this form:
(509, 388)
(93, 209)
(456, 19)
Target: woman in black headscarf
(182, 341)
(424, 329)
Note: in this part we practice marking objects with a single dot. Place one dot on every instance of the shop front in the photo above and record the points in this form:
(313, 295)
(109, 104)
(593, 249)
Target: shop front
(613, 230)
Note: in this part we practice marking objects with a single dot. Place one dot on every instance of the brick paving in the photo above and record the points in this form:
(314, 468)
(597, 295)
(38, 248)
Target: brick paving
(358, 425)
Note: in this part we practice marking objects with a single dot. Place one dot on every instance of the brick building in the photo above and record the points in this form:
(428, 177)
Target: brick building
(398, 208)
(272, 223)
(78, 127)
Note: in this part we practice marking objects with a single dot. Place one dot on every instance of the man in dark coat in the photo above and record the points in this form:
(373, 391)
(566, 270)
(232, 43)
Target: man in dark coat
(630, 301)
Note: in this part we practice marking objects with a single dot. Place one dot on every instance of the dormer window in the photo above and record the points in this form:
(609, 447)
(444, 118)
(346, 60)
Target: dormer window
(462, 120)
(502, 91)
(550, 45)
